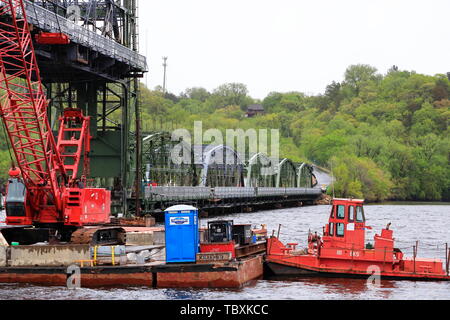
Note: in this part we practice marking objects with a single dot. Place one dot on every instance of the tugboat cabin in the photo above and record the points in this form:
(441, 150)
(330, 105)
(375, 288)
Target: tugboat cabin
(347, 224)
(346, 230)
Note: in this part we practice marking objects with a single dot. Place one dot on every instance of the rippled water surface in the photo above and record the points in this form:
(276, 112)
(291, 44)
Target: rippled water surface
(428, 223)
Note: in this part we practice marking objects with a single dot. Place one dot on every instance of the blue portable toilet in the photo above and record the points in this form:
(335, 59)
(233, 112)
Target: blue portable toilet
(182, 236)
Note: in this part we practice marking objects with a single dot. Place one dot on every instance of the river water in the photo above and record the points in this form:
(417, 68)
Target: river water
(427, 222)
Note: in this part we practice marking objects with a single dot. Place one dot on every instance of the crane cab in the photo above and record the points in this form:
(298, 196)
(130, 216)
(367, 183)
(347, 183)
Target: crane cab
(17, 212)
(347, 224)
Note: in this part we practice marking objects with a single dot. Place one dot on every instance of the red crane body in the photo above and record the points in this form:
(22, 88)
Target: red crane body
(46, 189)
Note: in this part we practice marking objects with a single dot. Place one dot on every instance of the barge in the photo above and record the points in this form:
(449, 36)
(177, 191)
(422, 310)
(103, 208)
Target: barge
(225, 275)
(180, 255)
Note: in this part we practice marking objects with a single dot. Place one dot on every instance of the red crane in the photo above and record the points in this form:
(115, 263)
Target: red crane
(43, 188)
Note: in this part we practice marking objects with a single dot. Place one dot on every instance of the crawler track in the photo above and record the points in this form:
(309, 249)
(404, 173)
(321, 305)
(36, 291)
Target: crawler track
(99, 236)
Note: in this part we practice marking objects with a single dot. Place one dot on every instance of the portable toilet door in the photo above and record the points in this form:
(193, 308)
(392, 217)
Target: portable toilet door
(182, 234)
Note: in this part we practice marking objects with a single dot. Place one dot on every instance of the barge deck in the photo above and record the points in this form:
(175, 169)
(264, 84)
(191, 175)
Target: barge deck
(234, 274)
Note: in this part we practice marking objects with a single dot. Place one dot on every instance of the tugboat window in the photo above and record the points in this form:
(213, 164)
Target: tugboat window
(359, 214)
(331, 229)
(340, 227)
(340, 212)
(351, 213)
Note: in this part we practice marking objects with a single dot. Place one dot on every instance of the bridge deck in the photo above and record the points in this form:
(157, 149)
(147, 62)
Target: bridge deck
(227, 199)
(198, 193)
(50, 22)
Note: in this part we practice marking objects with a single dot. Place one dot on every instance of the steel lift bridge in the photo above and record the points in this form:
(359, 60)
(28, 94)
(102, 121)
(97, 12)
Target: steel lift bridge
(217, 179)
(87, 54)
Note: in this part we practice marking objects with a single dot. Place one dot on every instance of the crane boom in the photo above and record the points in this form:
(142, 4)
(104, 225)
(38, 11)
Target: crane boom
(23, 106)
(44, 189)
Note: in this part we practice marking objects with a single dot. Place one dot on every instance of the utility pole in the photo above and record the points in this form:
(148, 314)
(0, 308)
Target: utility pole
(164, 80)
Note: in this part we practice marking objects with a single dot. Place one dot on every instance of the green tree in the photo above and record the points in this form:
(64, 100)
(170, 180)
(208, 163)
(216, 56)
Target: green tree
(360, 178)
(197, 93)
(356, 76)
(231, 94)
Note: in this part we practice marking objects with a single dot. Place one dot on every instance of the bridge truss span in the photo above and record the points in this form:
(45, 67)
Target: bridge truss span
(215, 178)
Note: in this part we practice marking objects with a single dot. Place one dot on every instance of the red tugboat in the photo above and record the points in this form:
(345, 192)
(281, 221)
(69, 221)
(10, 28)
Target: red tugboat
(342, 251)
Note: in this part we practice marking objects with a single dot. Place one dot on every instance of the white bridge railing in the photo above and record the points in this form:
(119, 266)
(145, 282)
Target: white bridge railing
(198, 193)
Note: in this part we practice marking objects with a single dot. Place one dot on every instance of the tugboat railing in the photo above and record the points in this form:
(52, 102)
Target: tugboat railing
(447, 258)
(358, 254)
(415, 254)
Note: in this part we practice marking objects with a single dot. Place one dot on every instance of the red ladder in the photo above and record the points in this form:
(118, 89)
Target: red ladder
(74, 137)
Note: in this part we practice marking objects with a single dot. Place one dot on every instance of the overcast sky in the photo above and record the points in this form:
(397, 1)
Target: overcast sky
(289, 45)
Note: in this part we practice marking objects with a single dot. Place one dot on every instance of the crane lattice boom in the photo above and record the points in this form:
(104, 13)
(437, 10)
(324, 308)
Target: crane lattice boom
(46, 189)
